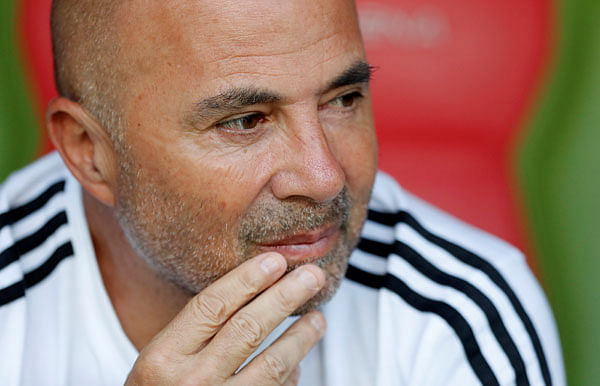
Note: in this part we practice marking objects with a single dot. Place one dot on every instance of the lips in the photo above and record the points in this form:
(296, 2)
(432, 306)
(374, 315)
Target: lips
(305, 247)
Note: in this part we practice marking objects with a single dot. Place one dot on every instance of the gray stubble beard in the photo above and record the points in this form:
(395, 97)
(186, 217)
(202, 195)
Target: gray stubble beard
(180, 253)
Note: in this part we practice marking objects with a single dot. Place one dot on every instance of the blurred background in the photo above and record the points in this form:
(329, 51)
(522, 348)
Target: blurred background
(490, 110)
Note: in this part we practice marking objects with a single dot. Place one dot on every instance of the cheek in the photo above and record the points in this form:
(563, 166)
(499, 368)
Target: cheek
(356, 151)
(227, 183)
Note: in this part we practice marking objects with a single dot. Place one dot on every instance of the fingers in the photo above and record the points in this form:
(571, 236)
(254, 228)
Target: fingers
(224, 324)
(276, 365)
(246, 330)
(206, 313)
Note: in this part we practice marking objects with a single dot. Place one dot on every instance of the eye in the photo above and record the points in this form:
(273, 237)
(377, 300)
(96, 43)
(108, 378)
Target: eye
(247, 122)
(346, 100)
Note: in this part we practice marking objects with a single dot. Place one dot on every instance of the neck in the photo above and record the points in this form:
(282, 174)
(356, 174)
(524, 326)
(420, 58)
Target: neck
(143, 301)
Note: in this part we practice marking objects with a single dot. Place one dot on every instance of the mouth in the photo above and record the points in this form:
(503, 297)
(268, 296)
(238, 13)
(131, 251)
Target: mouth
(304, 247)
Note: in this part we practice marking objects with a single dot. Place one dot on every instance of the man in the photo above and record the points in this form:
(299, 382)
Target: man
(221, 157)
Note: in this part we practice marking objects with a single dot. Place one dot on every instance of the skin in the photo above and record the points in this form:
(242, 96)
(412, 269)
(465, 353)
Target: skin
(185, 211)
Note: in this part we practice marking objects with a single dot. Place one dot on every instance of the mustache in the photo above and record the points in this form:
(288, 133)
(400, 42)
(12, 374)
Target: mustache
(281, 219)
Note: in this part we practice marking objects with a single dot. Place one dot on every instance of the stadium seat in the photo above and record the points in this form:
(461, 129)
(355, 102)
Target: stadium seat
(455, 82)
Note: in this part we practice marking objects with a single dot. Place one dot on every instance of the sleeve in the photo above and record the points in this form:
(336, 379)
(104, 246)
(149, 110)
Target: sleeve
(12, 306)
(489, 324)
(472, 311)
(448, 337)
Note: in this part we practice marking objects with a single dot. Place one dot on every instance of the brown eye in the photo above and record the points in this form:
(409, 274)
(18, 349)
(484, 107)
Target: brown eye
(250, 121)
(247, 122)
(346, 100)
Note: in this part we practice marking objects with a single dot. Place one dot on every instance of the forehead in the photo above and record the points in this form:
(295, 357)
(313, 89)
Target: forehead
(222, 41)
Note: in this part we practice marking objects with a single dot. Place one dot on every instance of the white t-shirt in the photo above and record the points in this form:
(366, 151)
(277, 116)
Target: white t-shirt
(427, 300)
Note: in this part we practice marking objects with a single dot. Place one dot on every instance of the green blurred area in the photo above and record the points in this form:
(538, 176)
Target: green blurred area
(18, 122)
(560, 173)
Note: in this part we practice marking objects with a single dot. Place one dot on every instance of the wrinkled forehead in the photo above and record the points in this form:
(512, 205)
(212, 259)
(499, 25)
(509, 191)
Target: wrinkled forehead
(224, 38)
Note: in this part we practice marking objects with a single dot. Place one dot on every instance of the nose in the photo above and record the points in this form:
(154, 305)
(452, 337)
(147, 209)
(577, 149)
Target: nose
(308, 167)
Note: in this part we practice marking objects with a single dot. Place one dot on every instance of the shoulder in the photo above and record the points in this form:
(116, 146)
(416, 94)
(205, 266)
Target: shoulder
(474, 293)
(25, 184)
(34, 239)
(32, 222)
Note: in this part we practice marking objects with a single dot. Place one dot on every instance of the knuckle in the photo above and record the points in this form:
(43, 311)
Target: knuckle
(275, 368)
(153, 361)
(248, 329)
(211, 309)
(150, 368)
(249, 283)
(286, 300)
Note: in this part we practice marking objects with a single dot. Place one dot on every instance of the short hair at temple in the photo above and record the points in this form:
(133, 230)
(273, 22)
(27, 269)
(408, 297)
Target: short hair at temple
(85, 45)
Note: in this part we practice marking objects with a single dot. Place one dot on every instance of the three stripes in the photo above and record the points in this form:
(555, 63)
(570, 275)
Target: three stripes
(14, 252)
(454, 319)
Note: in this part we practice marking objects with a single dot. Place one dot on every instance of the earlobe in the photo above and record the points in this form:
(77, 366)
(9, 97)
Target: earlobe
(84, 146)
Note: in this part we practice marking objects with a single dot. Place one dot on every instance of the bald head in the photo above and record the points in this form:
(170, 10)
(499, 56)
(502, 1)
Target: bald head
(85, 46)
(110, 54)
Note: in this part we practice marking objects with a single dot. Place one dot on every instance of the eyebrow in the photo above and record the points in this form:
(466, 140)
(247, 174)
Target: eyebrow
(231, 101)
(359, 72)
(235, 99)
(239, 97)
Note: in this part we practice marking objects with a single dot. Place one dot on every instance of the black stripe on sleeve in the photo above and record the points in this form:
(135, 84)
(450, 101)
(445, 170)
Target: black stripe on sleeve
(475, 261)
(450, 315)
(18, 213)
(17, 290)
(12, 253)
(40, 273)
(433, 273)
(12, 292)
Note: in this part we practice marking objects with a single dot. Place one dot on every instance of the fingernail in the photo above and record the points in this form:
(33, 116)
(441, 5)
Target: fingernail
(317, 322)
(308, 279)
(270, 264)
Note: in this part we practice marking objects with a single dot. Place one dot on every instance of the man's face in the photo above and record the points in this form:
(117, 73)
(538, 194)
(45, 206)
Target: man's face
(249, 129)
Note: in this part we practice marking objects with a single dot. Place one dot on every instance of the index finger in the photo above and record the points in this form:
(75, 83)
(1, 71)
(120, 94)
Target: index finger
(205, 313)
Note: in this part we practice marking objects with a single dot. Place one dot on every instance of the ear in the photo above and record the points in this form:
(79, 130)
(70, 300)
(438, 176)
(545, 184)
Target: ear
(84, 146)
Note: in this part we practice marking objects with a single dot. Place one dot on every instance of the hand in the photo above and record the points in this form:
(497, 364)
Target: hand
(225, 323)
